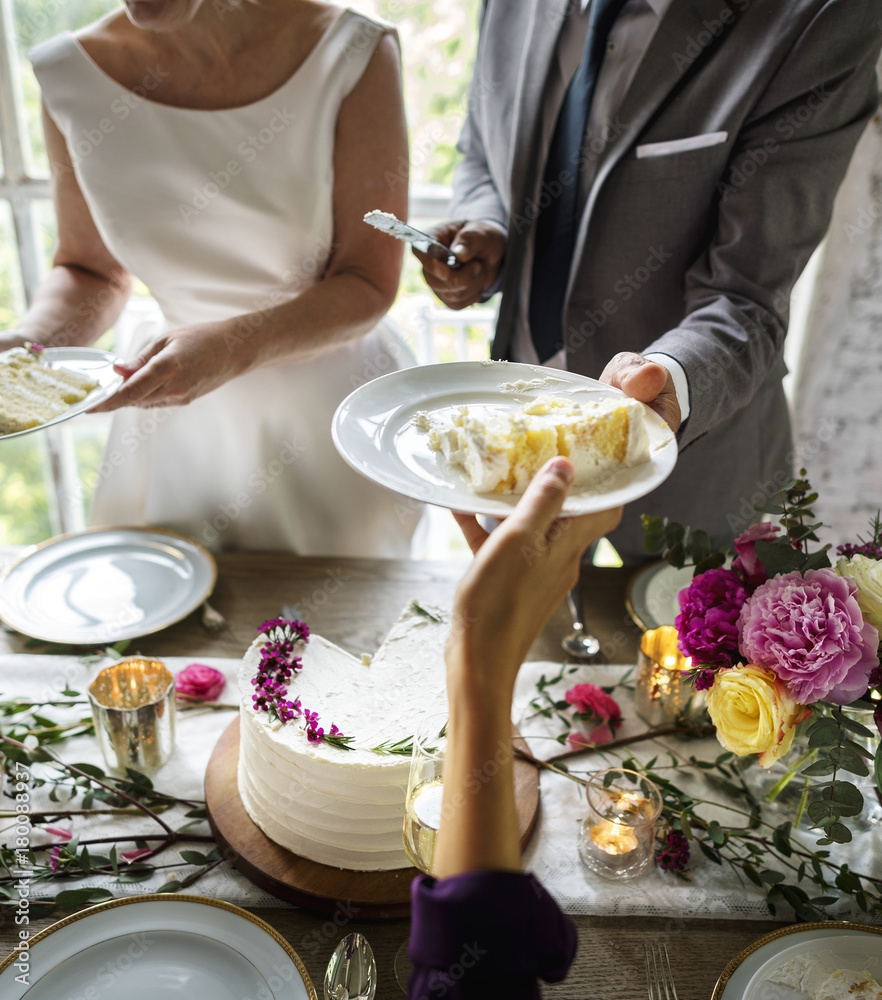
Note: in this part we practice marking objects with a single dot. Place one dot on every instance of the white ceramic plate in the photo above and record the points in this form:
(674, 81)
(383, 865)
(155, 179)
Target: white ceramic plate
(651, 598)
(156, 947)
(104, 585)
(88, 361)
(850, 946)
(374, 432)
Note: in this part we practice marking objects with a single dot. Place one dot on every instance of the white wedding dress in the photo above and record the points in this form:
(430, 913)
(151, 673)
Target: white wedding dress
(223, 214)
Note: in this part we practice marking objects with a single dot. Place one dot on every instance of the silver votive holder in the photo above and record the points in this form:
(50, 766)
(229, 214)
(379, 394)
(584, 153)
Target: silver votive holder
(663, 693)
(133, 708)
(617, 838)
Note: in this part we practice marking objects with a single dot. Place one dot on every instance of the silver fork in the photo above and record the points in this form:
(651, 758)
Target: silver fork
(659, 978)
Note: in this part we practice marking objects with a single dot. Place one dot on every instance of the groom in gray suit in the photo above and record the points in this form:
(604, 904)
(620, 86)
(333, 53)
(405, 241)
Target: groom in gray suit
(645, 180)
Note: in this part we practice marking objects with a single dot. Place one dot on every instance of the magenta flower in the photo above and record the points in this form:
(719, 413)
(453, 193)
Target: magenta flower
(673, 854)
(746, 562)
(703, 679)
(55, 858)
(809, 631)
(315, 734)
(200, 682)
(708, 619)
(598, 710)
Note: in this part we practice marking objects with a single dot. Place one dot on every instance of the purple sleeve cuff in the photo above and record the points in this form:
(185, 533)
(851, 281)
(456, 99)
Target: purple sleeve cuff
(484, 926)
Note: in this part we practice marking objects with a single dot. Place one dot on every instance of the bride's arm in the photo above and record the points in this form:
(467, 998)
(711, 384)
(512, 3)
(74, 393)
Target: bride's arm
(360, 282)
(86, 289)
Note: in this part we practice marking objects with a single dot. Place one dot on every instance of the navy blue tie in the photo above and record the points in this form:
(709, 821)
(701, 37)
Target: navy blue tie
(555, 232)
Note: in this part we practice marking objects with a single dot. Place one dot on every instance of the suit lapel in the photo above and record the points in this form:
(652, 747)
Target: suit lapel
(675, 53)
(540, 57)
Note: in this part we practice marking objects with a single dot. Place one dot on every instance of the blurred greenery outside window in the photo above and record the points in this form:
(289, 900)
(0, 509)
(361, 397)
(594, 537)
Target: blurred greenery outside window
(438, 41)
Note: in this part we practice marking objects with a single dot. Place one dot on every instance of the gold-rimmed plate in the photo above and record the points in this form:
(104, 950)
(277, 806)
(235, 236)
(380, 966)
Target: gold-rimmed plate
(155, 946)
(750, 975)
(104, 585)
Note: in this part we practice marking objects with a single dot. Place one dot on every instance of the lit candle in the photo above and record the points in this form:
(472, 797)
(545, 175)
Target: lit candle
(613, 837)
(133, 708)
(617, 838)
(662, 694)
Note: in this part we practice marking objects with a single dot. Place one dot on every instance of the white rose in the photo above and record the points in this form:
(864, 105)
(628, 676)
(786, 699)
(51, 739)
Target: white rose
(867, 575)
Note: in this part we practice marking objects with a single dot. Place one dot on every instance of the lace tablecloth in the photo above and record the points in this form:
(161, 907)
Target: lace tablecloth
(711, 891)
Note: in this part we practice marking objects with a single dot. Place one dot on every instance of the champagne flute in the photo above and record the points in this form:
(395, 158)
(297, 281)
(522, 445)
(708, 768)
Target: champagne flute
(425, 789)
(422, 809)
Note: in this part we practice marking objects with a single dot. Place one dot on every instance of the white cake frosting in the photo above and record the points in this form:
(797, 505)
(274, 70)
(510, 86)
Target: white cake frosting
(343, 808)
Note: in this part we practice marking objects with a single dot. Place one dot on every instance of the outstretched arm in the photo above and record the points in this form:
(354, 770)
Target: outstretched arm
(497, 927)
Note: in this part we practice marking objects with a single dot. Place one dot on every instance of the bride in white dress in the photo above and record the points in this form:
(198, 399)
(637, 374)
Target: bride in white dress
(224, 153)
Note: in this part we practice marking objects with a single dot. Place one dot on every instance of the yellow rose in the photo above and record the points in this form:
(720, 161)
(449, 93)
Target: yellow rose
(867, 575)
(753, 712)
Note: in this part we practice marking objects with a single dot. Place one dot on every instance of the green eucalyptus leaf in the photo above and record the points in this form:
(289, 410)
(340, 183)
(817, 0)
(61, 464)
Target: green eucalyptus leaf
(819, 768)
(194, 857)
(71, 899)
(90, 769)
(173, 885)
(848, 760)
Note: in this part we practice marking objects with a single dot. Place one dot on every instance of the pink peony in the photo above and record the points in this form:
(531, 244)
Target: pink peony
(809, 631)
(597, 707)
(708, 621)
(746, 563)
(200, 682)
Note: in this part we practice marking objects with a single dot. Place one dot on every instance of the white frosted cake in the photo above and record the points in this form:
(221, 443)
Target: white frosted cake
(342, 807)
(32, 392)
(500, 452)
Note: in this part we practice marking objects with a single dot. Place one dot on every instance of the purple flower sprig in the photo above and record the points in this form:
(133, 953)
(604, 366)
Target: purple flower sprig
(870, 547)
(277, 666)
(673, 852)
(285, 630)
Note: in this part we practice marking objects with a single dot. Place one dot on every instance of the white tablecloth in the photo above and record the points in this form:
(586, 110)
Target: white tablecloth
(711, 891)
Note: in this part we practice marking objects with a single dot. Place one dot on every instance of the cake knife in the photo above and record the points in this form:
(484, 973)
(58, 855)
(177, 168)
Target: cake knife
(387, 223)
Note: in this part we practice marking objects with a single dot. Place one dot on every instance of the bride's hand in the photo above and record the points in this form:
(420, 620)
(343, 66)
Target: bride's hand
(177, 368)
(10, 339)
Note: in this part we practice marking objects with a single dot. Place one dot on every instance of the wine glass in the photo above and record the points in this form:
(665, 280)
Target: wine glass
(422, 809)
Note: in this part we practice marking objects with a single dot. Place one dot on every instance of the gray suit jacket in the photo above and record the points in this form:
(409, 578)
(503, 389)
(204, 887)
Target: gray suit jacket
(692, 254)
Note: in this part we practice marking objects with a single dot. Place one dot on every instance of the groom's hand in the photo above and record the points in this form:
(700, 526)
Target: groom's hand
(479, 247)
(647, 381)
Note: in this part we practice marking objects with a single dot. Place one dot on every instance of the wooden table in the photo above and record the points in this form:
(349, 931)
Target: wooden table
(354, 602)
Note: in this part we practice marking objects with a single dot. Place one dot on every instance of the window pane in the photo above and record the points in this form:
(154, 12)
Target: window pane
(11, 291)
(35, 21)
(438, 40)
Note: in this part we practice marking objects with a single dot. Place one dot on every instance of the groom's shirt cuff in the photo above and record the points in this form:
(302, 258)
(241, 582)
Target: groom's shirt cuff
(678, 376)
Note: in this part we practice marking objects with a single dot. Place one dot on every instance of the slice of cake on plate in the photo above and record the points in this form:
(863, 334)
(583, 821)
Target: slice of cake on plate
(500, 452)
(33, 392)
(323, 766)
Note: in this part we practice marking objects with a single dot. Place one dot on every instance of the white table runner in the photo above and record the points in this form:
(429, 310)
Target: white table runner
(711, 891)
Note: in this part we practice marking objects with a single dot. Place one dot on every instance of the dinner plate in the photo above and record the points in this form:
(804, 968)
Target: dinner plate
(87, 361)
(159, 946)
(106, 584)
(849, 946)
(651, 597)
(374, 431)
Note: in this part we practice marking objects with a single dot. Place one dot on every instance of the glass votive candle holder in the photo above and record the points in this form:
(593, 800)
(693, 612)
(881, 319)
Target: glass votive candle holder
(662, 692)
(133, 708)
(617, 838)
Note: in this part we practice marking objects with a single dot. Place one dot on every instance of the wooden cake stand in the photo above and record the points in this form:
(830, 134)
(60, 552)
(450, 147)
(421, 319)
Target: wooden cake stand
(372, 895)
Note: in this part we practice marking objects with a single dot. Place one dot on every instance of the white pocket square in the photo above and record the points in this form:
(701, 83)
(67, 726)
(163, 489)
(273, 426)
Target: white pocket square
(681, 145)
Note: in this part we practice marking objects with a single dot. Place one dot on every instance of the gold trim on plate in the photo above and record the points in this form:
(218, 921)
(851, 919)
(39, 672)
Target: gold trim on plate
(729, 971)
(179, 897)
(107, 529)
